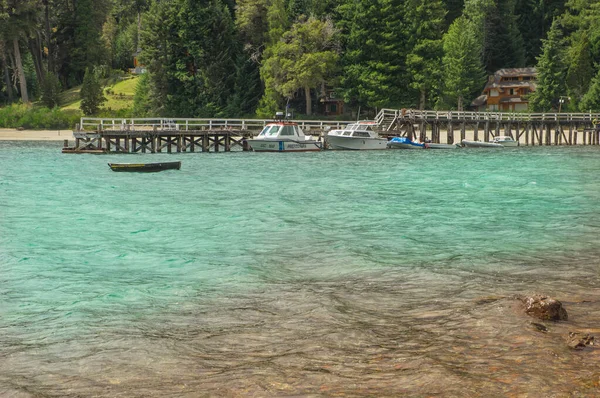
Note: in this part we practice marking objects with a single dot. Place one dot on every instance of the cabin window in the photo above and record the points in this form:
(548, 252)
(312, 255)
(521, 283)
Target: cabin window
(273, 131)
(361, 134)
(493, 93)
(287, 130)
(511, 91)
(347, 133)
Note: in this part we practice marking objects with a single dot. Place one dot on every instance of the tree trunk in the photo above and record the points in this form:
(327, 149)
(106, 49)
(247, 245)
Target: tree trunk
(7, 81)
(422, 100)
(35, 47)
(460, 103)
(308, 101)
(20, 71)
(48, 37)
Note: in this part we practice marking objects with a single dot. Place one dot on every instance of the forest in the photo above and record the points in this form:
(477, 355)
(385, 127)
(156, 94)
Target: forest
(250, 58)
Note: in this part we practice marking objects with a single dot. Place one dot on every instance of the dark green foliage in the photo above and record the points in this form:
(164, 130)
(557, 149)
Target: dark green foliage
(141, 99)
(189, 48)
(504, 46)
(51, 90)
(29, 117)
(426, 26)
(591, 100)
(464, 75)
(373, 61)
(92, 95)
(552, 72)
(204, 56)
(454, 8)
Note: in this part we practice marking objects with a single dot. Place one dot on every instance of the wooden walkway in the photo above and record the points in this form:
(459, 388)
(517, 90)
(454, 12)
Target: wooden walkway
(527, 128)
(155, 135)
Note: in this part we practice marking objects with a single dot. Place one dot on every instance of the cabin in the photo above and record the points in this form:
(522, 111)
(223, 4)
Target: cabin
(330, 105)
(507, 91)
(138, 68)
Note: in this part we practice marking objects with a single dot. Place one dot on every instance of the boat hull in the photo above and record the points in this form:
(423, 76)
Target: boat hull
(508, 144)
(440, 146)
(144, 167)
(356, 143)
(480, 144)
(284, 146)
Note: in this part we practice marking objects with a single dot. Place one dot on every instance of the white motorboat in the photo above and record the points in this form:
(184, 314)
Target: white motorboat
(283, 136)
(505, 140)
(356, 136)
(480, 144)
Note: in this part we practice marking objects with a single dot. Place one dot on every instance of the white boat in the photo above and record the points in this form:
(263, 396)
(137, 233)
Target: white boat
(480, 144)
(505, 140)
(283, 136)
(405, 143)
(356, 136)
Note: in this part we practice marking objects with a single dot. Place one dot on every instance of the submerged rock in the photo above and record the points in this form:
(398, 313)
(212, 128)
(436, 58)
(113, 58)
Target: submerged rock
(578, 341)
(539, 327)
(544, 308)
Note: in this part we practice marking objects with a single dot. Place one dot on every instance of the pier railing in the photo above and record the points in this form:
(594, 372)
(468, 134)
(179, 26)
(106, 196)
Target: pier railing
(390, 114)
(188, 124)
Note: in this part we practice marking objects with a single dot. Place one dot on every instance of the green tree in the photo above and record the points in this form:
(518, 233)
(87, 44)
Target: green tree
(304, 59)
(504, 46)
(190, 49)
(463, 71)
(552, 72)
(19, 16)
(373, 61)
(92, 95)
(591, 100)
(426, 26)
(51, 90)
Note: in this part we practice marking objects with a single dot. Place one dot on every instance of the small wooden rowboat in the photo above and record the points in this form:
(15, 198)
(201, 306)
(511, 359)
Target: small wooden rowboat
(145, 167)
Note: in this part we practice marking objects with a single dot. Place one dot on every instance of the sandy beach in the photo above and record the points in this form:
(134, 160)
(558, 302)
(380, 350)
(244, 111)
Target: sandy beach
(35, 135)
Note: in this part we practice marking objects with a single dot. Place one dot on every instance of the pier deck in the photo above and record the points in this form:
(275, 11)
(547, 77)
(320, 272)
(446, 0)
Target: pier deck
(155, 135)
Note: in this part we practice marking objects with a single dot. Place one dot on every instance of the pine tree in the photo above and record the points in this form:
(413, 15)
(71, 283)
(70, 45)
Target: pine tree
(92, 95)
(504, 46)
(591, 100)
(463, 71)
(373, 63)
(51, 90)
(426, 25)
(552, 72)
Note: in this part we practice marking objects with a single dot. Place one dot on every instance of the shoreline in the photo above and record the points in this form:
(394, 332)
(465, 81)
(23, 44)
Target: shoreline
(35, 135)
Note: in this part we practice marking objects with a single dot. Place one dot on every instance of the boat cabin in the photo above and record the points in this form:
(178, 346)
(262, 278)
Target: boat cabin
(358, 130)
(281, 130)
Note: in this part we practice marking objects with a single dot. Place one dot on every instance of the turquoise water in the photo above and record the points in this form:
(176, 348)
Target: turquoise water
(334, 273)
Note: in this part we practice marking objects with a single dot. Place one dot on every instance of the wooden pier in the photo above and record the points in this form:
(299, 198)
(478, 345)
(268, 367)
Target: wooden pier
(526, 128)
(156, 135)
(174, 135)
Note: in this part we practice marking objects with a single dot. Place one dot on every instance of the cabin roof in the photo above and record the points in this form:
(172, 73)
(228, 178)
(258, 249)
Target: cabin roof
(508, 72)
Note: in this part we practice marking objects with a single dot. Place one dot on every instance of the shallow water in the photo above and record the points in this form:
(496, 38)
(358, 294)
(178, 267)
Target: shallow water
(382, 273)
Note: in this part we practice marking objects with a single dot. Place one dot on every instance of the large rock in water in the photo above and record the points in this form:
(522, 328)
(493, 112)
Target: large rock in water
(544, 308)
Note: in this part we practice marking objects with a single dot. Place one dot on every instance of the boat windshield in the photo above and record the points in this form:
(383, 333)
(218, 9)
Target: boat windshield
(269, 131)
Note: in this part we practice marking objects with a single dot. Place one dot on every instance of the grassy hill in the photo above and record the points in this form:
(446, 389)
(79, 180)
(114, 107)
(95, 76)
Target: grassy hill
(119, 95)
